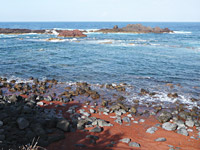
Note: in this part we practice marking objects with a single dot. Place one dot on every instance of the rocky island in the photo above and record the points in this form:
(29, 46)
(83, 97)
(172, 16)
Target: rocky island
(60, 33)
(135, 28)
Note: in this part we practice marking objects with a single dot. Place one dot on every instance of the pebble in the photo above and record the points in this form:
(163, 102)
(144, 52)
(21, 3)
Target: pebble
(125, 140)
(151, 130)
(160, 139)
(134, 144)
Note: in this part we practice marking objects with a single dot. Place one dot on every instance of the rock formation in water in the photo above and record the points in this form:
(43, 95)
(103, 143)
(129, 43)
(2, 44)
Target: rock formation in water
(135, 28)
(61, 33)
(73, 33)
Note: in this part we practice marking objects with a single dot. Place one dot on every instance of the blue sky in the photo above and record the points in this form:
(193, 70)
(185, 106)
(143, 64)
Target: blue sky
(100, 10)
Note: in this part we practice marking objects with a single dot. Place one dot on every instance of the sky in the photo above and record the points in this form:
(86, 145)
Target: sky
(100, 10)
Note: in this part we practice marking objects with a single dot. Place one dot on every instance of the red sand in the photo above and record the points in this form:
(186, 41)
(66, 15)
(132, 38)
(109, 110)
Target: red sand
(136, 132)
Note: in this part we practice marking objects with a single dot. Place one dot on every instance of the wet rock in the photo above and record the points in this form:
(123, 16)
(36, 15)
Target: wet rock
(95, 96)
(125, 140)
(160, 139)
(172, 95)
(118, 120)
(81, 124)
(40, 103)
(103, 123)
(13, 98)
(121, 98)
(133, 110)
(169, 126)
(118, 113)
(134, 144)
(151, 130)
(115, 27)
(182, 131)
(97, 129)
(189, 123)
(92, 111)
(144, 92)
(22, 123)
(86, 114)
(104, 103)
(126, 119)
(164, 117)
(92, 137)
(180, 124)
(63, 125)
(183, 115)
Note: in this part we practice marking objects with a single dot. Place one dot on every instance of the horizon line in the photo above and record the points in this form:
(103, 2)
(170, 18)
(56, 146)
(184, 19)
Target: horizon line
(109, 21)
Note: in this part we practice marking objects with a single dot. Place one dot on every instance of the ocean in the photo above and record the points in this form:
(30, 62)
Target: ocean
(148, 61)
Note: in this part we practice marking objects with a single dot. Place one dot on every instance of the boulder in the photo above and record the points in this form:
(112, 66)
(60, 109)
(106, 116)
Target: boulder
(63, 125)
(22, 123)
(169, 126)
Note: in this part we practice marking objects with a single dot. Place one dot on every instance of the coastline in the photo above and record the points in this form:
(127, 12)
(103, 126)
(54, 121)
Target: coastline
(67, 107)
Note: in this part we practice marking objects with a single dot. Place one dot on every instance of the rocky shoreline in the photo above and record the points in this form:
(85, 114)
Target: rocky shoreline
(29, 110)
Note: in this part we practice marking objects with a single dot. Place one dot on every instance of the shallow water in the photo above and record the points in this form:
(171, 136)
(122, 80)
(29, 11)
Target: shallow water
(142, 60)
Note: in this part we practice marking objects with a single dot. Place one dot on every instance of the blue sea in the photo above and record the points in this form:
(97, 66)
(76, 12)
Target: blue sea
(148, 61)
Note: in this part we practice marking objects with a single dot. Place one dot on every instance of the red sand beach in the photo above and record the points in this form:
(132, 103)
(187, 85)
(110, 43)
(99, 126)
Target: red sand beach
(135, 131)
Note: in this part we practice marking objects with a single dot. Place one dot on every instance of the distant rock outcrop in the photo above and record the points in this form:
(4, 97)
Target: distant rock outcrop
(61, 33)
(20, 31)
(71, 33)
(135, 28)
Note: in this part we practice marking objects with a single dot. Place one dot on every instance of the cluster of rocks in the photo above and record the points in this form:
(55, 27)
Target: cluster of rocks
(61, 33)
(181, 122)
(21, 121)
(135, 28)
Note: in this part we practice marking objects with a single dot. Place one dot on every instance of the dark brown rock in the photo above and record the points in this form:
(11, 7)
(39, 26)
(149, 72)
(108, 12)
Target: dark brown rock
(73, 33)
(135, 28)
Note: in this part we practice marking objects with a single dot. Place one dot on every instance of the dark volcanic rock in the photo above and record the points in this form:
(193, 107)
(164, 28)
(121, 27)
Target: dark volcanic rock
(63, 125)
(73, 33)
(19, 31)
(135, 28)
(22, 123)
(164, 117)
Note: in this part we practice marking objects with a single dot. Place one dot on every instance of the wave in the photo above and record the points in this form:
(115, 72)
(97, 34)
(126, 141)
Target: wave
(181, 32)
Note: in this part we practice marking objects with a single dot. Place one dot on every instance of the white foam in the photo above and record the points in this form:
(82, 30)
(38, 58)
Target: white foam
(181, 32)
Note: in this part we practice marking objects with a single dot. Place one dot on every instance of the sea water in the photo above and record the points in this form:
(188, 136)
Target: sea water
(142, 60)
